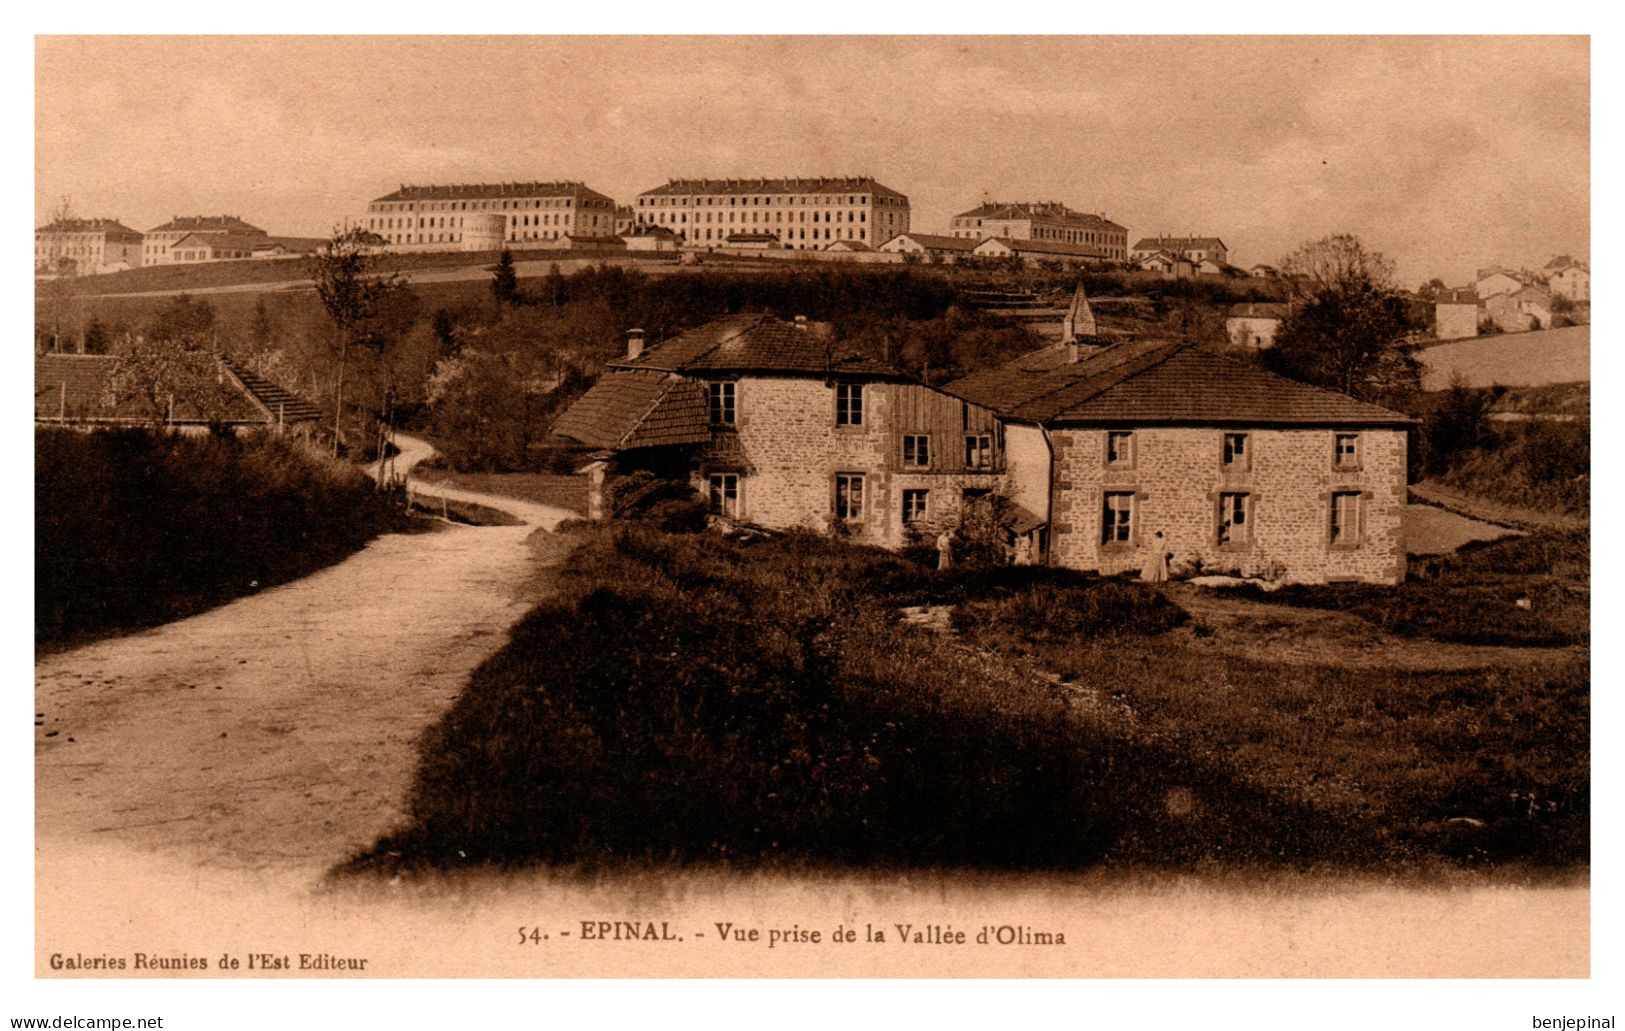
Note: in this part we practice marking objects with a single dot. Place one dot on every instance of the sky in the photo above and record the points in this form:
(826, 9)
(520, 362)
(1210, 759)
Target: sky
(1445, 153)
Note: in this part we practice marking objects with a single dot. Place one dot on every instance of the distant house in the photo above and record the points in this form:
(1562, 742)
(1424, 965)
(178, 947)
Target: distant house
(651, 238)
(1568, 278)
(157, 244)
(1031, 252)
(779, 425)
(1192, 248)
(1493, 281)
(1236, 467)
(1254, 325)
(71, 389)
(752, 241)
(1164, 263)
(1521, 310)
(1263, 271)
(201, 247)
(943, 248)
(1216, 267)
(1456, 314)
(581, 242)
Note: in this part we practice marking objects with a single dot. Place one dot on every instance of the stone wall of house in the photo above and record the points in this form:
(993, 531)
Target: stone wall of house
(1252, 331)
(788, 450)
(1176, 476)
(1455, 321)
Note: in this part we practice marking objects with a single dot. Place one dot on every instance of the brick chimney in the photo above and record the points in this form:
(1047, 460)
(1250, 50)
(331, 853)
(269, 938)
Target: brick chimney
(634, 343)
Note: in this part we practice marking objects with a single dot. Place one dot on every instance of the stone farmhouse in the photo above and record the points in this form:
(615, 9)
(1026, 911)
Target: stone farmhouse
(1238, 468)
(1568, 278)
(780, 427)
(1098, 448)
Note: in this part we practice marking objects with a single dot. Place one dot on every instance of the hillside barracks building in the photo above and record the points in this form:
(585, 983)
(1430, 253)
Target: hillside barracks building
(487, 216)
(1099, 447)
(803, 214)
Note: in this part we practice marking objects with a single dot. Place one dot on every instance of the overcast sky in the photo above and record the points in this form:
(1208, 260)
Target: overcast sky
(1444, 153)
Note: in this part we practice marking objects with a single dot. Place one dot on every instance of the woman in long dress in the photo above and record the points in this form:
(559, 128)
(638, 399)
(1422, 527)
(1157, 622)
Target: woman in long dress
(1155, 569)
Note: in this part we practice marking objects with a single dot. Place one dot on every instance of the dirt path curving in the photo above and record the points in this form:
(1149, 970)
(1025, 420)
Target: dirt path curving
(276, 733)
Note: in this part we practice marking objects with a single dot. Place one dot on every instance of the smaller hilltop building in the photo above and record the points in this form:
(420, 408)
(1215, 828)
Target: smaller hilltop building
(158, 244)
(1073, 233)
(86, 246)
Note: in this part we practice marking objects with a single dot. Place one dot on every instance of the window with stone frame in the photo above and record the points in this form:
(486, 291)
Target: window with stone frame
(849, 496)
(1117, 517)
(723, 396)
(1346, 450)
(1346, 513)
(1119, 447)
(916, 503)
(1235, 518)
(724, 494)
(849, 404)
(1237, 451)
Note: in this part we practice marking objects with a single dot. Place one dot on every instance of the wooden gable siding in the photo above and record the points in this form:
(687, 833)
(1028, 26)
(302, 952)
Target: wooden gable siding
(947, 420)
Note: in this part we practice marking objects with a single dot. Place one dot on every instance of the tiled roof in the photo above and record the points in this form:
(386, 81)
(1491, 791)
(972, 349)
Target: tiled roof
(74, 385)
(1564, 261)
(1049, 210)
(1080, 250)
(837, 184)
(277, 401)
(632, 409)
(1178, 243)
(934, 242)
(757, 343)
(490, 191)
(223, 242)
(87, 225)
(1149, 381)
(208, 224)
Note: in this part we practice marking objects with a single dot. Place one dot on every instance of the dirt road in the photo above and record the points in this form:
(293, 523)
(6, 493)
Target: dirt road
(275, 733)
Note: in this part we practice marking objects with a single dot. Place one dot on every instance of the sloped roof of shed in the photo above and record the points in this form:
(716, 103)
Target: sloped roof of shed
(640, 408)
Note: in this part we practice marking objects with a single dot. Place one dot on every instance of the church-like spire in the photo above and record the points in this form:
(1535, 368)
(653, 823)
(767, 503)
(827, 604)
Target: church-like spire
(1079, 319)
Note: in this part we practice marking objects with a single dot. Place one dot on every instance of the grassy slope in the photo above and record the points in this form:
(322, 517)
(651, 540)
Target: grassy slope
(694, 699)
(134, 529)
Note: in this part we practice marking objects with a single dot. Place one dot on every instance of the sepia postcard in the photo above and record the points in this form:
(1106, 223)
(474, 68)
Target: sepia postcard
(1063, 507)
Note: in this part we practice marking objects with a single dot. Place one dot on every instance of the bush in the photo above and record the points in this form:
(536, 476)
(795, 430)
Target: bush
(134, 528)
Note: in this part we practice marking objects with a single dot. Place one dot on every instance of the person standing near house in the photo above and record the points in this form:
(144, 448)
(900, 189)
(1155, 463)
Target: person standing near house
(945, 549)
(1155, 569)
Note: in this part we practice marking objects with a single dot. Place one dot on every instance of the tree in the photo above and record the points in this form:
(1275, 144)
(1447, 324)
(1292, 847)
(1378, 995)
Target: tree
(165, 378)
(505, 281)
(183, 321)
(1348, 329)
(349, 292)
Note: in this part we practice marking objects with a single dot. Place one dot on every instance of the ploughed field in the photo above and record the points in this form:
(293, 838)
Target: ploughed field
(691, 698)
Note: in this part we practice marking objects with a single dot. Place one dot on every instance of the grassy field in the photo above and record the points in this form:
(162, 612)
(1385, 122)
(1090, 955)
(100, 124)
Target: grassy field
(133, 529)
(684, 698)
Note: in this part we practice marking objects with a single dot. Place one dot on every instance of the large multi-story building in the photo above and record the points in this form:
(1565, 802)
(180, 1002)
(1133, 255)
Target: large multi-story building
(803, 214)
(156, 244)
(86, 246)
(487, 216)
(1090, 235)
